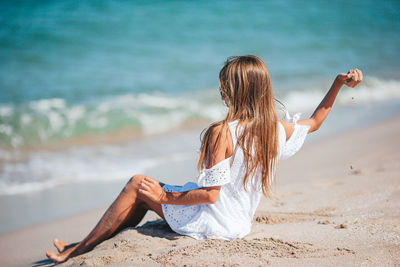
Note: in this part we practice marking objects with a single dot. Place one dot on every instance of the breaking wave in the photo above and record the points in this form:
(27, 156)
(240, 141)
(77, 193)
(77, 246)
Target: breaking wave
(45, 120)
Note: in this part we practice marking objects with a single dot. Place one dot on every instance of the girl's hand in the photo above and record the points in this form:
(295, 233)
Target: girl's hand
(151, 189)
(351, 79)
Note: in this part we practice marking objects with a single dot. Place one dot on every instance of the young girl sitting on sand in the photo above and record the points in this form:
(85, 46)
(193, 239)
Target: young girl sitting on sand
(237, 162)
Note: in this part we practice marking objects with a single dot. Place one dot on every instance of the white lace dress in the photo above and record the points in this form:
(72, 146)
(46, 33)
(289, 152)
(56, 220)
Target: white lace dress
(231, 216)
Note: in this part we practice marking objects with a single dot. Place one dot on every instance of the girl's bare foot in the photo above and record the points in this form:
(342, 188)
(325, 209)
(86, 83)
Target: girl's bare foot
(69, 251)
(56, 257)
(60, 245)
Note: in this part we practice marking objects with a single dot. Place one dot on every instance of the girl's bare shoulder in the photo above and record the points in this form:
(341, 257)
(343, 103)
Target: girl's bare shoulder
(288, 127)
(221, 137)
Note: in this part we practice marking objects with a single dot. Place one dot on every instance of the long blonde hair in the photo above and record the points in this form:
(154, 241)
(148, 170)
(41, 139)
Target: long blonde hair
(246, 87)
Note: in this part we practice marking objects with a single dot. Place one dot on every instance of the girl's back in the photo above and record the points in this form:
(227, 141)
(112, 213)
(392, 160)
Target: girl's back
(231, 215)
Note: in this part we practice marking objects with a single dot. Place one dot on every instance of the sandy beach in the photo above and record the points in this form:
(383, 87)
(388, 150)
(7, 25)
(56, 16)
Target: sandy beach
(94, 92)
(337, 203)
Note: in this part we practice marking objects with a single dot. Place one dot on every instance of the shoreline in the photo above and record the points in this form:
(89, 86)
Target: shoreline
(358, 197)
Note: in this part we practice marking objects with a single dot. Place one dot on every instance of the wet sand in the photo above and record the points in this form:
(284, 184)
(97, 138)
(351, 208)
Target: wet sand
(337, 203)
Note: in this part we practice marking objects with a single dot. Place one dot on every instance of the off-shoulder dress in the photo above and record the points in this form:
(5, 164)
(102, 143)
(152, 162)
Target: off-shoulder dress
(231, 216)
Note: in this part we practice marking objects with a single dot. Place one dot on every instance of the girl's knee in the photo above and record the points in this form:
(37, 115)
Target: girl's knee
(134, 181)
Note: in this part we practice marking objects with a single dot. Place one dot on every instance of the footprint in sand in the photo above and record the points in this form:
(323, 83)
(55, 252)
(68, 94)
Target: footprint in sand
(324, 222)
(277, 204)
(341, 226)
(355, 171)
(325, 210)
(288, 217)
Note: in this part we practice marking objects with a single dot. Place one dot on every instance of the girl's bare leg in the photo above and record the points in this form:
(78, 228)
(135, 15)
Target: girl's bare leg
(126, 210)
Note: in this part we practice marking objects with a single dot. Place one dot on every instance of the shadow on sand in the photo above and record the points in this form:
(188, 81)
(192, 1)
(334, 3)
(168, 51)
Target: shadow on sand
(157, 228)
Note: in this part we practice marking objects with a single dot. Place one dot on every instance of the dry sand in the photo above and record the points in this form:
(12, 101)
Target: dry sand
(337, 204)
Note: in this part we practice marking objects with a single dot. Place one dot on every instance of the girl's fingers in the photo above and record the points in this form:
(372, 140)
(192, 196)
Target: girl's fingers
(145, 185)
(356, 79)
(150, 180)
(151, 184)
(356, 75)
(144, 192)
(350, 78)
(360, 76)
(351, 73)
(148, 185)
(353, 77)
(147, 180)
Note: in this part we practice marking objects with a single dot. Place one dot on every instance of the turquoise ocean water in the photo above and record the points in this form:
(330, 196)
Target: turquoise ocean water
(71, 70)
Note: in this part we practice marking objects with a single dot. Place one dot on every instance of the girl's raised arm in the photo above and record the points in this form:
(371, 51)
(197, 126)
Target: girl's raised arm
(351, 79)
